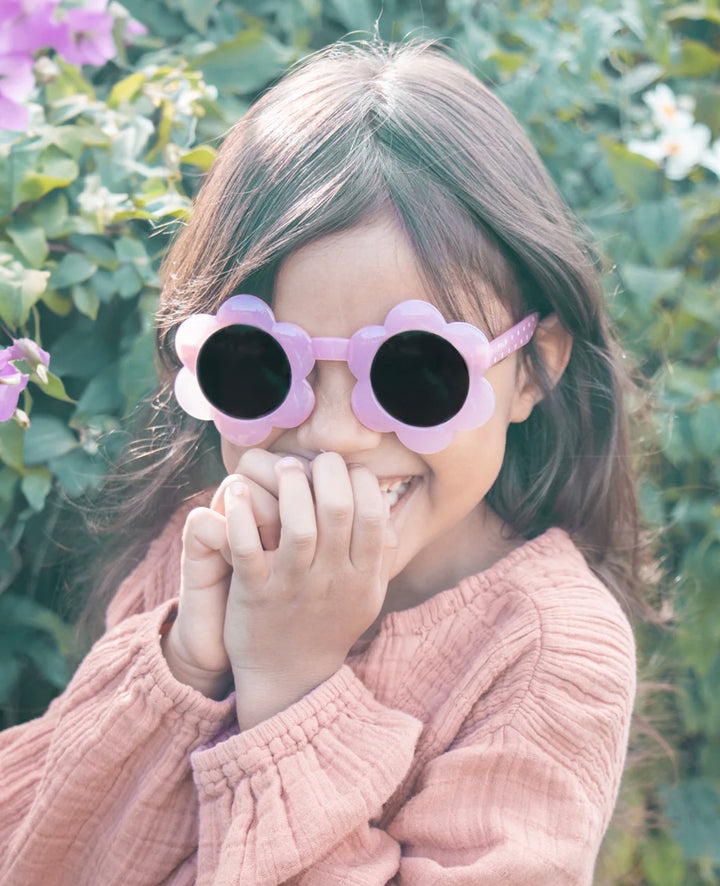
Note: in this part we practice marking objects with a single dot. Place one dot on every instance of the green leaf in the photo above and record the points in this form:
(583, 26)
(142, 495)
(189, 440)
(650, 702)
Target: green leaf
(70, 84)
(8, 482)
(48, 659)
(101, 397)
(96, 249)
(127, 281)
(30, 240)
(138, 375)
(46, 438)
(126, 90)
(9, 674)
(246, 63)
(86, 300)
(693, 808)
(662, 862)
(639, 77)
(35, 485)
(694, 12)
(636, 177)
(650, 284)
(696, 60)
(203, 156)
(662, 229)
(72, 268)
(61, 305)
(57, 172)
(80, 352)
(77, 472)
(11, 445)
(353, 15)
(197, 14)
(20, 289)
(51, 214)
(705, 424)
(54, 388)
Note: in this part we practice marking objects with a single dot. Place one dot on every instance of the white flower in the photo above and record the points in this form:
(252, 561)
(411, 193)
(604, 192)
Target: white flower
(680, 150)
(670, 112)
(711, 158)
(97, 201)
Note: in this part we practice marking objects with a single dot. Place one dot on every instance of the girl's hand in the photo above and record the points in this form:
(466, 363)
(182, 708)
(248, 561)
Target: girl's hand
(294, 613)
(194, 645)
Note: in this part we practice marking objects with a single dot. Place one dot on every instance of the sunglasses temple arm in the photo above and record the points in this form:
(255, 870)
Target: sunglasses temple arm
(514, 339)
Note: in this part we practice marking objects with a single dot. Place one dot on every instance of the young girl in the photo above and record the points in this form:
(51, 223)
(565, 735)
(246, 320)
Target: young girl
(388, 648)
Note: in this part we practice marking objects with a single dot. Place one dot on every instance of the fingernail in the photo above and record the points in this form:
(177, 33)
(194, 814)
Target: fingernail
(288, 462)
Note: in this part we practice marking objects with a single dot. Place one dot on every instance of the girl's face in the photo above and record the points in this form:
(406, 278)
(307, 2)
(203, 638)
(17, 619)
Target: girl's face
(332, 287)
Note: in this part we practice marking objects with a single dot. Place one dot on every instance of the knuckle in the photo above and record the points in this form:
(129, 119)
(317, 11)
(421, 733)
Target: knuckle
(302, 540)
(338, 511)
(372, 519)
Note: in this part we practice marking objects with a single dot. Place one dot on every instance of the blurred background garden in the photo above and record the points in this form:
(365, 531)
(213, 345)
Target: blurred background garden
(109, 116)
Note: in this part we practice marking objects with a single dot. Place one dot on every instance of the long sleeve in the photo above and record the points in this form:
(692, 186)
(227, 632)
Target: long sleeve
(99, 790)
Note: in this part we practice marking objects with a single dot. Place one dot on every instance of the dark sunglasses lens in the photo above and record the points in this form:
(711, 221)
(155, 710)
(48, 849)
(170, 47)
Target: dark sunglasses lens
(243, 371)
(419, 378)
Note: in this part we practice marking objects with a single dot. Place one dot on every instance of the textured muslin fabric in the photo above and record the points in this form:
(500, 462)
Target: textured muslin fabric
(478, 739)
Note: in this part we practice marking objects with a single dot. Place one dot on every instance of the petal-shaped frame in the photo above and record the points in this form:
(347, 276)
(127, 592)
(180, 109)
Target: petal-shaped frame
(470, 342)
(296, 343)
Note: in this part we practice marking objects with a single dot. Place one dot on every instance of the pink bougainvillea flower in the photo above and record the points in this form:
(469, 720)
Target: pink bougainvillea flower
(16, 85)
(27, 26)
(12, 384)
(30, 351)
(88, 36)
(134, 28)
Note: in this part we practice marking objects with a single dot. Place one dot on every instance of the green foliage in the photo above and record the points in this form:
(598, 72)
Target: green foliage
(91, 192)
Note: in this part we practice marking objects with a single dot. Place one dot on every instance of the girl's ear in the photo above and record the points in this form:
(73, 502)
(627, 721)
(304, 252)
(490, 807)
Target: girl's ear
(554, 343)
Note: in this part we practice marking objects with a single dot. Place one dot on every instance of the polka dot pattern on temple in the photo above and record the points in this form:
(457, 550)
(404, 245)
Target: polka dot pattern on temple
(514, 339)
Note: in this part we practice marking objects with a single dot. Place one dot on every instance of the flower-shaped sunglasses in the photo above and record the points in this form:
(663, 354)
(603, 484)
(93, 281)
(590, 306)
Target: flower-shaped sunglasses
(417, 375)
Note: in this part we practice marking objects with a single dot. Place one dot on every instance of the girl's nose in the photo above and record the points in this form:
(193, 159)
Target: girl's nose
(332, 425)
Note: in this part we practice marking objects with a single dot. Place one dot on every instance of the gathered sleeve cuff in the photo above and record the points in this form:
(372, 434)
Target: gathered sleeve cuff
(280, 796)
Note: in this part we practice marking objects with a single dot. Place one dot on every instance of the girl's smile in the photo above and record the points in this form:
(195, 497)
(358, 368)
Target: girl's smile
(332, 287)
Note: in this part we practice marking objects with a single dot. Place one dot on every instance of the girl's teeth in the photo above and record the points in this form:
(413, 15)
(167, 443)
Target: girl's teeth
(395, 494)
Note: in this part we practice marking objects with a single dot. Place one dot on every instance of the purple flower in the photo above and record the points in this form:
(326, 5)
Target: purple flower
(88, 38)
(16, 85)
(12, 380)
(12, 384)
(30, 351)
(27, 25)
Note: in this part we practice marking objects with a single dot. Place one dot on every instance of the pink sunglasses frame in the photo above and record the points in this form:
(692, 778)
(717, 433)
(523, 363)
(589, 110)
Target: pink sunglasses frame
(358, 351)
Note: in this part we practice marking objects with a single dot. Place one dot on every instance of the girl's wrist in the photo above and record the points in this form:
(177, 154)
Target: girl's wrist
(259, 696)
(212, 684)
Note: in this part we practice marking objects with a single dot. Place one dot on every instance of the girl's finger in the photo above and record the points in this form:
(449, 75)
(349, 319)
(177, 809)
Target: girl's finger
(258, 465)
(334, 506)
(248, 557)
(370, 521)
(298, 532)
(204, 533)
(264, 506)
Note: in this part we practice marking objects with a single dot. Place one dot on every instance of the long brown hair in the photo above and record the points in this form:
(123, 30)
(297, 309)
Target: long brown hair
(362, 128)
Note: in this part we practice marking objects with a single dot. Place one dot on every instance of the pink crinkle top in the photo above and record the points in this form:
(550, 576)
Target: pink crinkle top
(479, 739)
